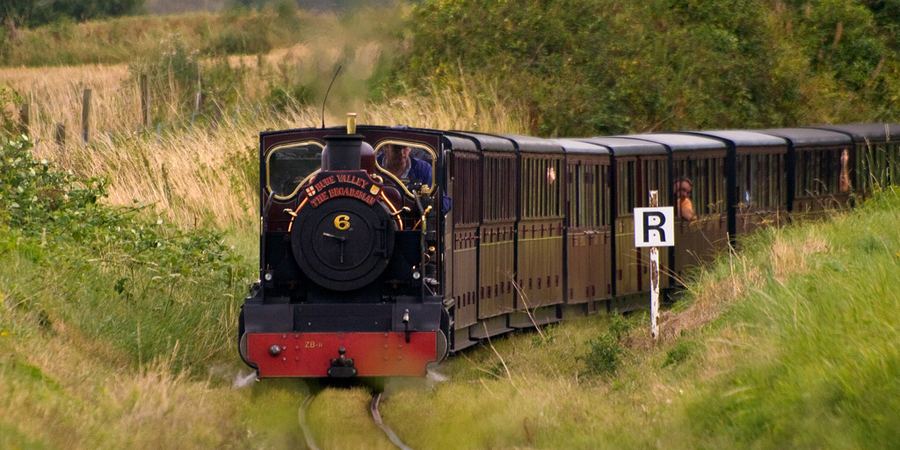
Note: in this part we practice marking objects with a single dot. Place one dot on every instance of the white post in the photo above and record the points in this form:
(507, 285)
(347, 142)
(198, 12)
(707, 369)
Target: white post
(654, 279)
(654, 227)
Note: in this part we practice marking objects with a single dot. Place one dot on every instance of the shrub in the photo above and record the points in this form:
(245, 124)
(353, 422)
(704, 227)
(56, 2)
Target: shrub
(680, 352)
(34, 197)
(603, 355)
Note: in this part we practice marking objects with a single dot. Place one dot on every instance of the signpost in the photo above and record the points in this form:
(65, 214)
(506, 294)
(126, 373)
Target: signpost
(654, 227)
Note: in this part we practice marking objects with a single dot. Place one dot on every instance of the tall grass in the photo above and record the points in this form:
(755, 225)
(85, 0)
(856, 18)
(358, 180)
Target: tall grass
(203, 174)
(790, 344)
(109, 321)
(814, 361)
(198, 166)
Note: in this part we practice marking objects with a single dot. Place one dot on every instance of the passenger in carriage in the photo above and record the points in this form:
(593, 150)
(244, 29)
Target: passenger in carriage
(683, 206)
(845, 172)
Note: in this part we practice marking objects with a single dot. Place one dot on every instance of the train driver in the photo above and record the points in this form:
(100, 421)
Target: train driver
(395, 158)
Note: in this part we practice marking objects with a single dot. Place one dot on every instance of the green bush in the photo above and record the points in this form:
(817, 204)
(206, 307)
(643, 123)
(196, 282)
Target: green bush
(35, 198)
(603, 355)
(680, 352)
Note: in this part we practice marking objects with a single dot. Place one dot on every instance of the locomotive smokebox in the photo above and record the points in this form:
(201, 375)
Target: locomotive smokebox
(342, 152)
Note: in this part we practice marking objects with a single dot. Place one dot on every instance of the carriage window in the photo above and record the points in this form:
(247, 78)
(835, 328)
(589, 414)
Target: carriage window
(605, 194)
(527, 188)
(626, 188)
(593, 202)
(596, 201)
(583, 196)
(877, 164)
(761, 179)
(465, 173)
(510, 211)
(540, 187)
(743, 181)
(288, 165)
(658, 180)
(893, 152)
(491, 204)
(500, 202)
(822, 174)
(553, 174)
(574, 196)
(861, 164)
(409, 162)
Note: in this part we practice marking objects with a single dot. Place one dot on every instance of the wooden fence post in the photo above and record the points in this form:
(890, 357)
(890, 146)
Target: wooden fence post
(60, 135)
(23, 118)
(85, 115)
(145, 101)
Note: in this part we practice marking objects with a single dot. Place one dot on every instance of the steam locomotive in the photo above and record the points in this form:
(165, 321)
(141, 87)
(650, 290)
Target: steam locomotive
(366, 273)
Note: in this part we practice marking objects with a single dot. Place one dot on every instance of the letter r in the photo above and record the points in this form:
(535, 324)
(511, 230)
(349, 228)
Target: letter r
(658, 226)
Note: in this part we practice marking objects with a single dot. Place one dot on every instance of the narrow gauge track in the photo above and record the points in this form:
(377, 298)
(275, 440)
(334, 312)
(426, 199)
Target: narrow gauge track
(376, 415)
(387, 430)
(301, 416)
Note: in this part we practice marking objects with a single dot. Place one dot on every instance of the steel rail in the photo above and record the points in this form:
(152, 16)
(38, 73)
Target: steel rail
(387, 430)
(301, 416)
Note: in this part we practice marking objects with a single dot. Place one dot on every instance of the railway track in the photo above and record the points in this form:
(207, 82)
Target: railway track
(301, 416)
(376, 416)
(387, 430)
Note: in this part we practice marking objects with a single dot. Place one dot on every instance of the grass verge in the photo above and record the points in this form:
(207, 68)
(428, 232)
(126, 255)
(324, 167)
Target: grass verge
(791, 343)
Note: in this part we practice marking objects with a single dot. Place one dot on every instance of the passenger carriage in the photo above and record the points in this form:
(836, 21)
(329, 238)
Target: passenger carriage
(816, 160)
(875, 155)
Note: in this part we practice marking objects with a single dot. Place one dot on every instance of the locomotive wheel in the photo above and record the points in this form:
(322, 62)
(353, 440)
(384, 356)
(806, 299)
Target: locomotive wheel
(242, 338)
(344, 244)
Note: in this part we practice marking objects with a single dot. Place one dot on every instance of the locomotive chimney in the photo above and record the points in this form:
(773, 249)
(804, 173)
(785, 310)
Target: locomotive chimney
(348, 152)
(342, 152)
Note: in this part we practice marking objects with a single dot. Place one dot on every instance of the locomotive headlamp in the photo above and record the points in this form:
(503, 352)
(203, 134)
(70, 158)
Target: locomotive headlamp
(416, 275)
(268, 276)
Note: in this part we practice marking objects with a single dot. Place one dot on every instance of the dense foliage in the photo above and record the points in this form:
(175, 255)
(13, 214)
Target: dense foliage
(604, 67)
(36, 12)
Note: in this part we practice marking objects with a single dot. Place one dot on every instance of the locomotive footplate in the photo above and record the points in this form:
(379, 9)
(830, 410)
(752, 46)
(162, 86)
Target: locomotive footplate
(364, 354)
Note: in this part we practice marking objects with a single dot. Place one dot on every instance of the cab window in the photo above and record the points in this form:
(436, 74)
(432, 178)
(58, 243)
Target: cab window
(411, 163)
(289, 164)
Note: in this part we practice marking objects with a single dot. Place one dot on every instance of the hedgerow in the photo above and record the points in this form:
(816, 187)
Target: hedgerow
(605, 67)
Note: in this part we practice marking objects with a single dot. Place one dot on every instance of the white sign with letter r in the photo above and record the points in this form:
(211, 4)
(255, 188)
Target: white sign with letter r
(654, 227)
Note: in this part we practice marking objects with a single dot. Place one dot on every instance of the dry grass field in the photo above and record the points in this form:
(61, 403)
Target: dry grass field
(200, 169)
